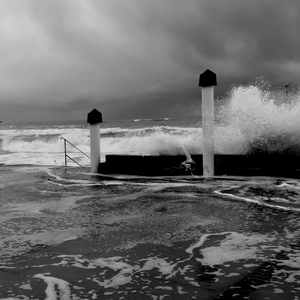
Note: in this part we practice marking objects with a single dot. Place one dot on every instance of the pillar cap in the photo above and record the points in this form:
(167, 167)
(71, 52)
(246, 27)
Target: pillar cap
(94, 117)
(207, 78)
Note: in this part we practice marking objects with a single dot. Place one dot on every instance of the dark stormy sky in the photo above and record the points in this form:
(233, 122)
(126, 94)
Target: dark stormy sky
(138, 58)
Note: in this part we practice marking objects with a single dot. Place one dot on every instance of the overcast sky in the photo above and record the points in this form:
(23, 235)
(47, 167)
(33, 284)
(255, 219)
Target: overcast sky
(137, 58)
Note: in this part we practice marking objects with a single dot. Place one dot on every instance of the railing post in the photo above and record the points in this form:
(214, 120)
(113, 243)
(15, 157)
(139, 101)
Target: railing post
(65, 143)
(207, 81)
(94, 118)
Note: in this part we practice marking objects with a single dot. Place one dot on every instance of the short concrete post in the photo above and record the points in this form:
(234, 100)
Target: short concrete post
(207, 81)
(94, 118)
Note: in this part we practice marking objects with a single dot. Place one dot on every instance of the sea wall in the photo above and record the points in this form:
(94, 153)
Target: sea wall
(279, 165)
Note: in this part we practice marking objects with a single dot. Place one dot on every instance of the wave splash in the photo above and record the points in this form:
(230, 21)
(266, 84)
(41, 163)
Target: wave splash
(266, 121)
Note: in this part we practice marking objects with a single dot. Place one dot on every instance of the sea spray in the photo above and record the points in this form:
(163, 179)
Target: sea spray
(264, 120)
(188, 164)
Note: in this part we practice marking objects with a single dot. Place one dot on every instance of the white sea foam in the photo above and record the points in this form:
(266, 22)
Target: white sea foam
(234, 246)
(124, 271)
(56, 288)
(259, 201)
(201, 242)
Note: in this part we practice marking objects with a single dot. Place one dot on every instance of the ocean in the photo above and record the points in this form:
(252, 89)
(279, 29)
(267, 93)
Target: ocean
(41, 143)
(68, 234)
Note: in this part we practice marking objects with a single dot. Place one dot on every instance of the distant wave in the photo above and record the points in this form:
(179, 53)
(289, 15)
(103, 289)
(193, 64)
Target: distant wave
(47, 138)
(145, 131)
(156, 119)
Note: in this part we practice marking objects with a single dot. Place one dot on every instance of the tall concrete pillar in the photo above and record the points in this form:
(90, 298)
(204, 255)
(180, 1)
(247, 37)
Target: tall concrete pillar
(207, 81)
(94, 118)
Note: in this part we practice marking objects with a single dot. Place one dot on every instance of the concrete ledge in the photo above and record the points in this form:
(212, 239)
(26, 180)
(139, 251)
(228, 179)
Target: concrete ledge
(279, 165)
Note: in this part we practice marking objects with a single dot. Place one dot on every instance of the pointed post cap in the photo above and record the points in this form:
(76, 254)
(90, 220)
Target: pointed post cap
(94, 117)
(207, 78)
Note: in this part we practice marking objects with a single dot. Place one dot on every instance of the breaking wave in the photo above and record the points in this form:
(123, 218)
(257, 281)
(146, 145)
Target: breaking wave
(156, 119)
(266, 121)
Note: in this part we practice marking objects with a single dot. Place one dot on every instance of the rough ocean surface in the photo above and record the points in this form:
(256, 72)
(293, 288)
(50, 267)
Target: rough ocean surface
(67, 234)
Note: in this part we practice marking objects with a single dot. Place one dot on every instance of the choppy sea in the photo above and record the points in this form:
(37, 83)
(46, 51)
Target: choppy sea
(68, 234)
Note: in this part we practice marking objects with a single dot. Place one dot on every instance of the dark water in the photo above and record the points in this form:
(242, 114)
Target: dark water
(67, 234)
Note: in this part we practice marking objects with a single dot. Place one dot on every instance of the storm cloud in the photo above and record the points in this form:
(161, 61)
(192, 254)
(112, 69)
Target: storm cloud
(138, 58)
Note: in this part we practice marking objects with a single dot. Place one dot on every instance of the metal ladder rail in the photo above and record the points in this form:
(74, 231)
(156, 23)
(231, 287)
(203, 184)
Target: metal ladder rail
(67, 156)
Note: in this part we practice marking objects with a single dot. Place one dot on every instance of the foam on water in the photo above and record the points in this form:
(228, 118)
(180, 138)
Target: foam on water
(57, 289)
(280, 194)
(152, 236)
(230, 247)
(236, 246)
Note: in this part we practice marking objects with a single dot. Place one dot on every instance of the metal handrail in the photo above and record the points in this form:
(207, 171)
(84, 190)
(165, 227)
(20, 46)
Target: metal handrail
(67, 156)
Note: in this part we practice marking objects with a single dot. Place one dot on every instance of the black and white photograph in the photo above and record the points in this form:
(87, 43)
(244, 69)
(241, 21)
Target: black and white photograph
(149, 149)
